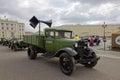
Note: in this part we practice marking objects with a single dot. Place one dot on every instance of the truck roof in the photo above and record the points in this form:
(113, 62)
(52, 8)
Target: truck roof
(56, 29)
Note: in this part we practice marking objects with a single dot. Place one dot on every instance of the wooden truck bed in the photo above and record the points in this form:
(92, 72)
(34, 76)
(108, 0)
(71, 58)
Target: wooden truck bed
(35, 40)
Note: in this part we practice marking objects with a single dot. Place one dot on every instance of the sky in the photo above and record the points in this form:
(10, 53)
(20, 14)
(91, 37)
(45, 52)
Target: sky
(62, 12)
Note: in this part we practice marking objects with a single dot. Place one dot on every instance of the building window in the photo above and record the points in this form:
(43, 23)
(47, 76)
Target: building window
(3, 36)
(6, 24)
(12, 34)
(7, 28)
(11, 24)
(11, 28)
(2, 24)
(2, 28)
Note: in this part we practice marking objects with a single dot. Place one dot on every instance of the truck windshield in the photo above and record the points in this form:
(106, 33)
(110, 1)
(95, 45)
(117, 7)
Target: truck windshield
(63, 34)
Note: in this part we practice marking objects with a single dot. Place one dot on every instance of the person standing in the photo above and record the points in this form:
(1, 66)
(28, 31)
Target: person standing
(76, 37)
(91, 41)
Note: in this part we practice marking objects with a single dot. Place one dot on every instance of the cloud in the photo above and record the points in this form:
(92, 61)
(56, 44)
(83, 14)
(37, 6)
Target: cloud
(95, 2)
(103, 9)
(62, 11)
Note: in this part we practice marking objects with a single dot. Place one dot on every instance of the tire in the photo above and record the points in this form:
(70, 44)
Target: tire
(31, 53)
(67, 64)
(11, 47)
(14, 48)
(8, 46)
(91, 64)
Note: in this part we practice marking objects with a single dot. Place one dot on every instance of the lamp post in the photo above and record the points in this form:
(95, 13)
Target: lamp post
(104, 37)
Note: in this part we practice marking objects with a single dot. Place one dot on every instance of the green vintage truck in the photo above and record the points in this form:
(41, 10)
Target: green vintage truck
(59, 43)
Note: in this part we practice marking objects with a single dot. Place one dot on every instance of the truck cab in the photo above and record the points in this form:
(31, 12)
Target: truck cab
(56, 39)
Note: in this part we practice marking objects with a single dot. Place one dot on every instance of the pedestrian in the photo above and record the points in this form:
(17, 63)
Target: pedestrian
(91, 41)
(76, 37)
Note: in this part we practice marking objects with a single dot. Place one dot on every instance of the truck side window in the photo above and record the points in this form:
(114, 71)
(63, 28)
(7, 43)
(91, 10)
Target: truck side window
(50, 34)
(47, 34)
(59, 34)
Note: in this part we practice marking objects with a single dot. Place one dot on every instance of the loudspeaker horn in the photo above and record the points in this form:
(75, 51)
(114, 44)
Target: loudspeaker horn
(34, 21)
(49, 23)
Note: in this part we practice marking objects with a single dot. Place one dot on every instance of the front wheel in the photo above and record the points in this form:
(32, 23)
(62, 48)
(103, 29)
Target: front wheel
(91, 64)
(67, 63)
(31, 53)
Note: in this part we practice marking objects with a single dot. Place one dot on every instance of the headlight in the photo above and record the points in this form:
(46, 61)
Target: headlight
(85, 47)
(76, 44)
(14, 41)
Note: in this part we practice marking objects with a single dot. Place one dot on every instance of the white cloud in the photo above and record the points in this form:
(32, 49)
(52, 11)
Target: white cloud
(103, 9)
(61, 11)
(87, 15)
(24, 4)
(94, 22)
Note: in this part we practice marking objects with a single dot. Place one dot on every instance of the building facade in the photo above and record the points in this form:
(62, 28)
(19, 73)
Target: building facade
(11, 29)
(89, 30)
(28, 33)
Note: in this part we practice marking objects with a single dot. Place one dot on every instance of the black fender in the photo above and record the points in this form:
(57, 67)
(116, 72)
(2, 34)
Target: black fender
(89, 49)
(68, 50)
(90, 52)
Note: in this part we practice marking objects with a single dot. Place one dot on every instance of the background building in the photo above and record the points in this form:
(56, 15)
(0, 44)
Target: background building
(28, 33)
(88, 30)
(9, 29)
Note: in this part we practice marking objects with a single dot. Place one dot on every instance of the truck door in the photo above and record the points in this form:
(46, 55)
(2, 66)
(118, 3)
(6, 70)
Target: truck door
(49, 43)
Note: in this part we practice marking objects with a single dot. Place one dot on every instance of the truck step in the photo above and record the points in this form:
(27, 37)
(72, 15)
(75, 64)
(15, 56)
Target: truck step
(48, 55)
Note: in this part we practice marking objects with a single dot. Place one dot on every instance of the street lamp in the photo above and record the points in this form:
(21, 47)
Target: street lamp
(104, 37)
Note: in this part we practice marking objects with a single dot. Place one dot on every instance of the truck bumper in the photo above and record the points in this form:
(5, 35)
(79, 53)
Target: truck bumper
(89, 60)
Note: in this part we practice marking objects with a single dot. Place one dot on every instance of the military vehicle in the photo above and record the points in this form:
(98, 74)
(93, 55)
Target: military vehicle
(1, 40)
(59, 43)
(11, 41)
(16, 44)
(5, 41)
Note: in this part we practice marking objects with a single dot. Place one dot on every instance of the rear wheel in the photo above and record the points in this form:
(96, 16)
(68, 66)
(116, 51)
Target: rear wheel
(15, 48)
(31, 53)
(67, 63)
(8, 46)
(11, 47)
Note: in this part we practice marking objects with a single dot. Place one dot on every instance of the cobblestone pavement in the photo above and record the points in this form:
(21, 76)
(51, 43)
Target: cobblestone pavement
(17, 66)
